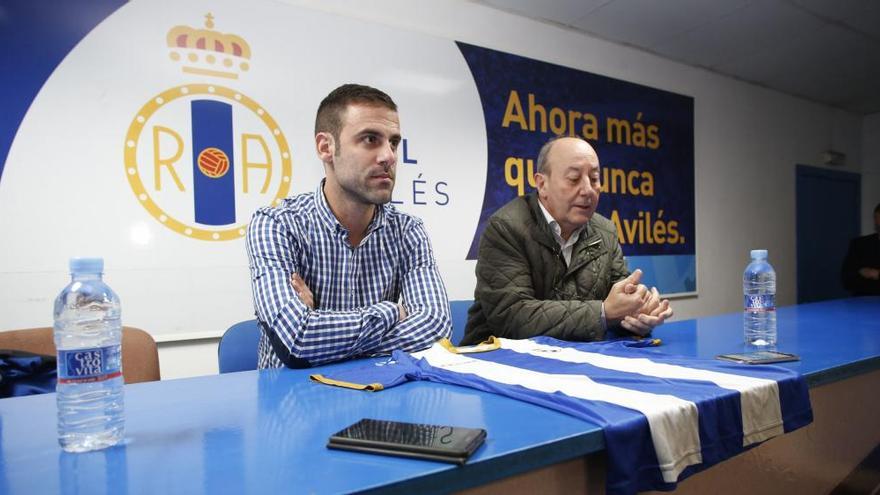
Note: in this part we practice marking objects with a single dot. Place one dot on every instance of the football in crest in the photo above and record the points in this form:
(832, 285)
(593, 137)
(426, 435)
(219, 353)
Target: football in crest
(213, 162)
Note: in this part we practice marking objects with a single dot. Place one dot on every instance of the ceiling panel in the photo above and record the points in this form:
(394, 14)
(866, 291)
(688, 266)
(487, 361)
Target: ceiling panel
(746, 32)
(826, 51)
(558, 11)
(641, 23)
(791, 65)
(861, 15)
(706, 45)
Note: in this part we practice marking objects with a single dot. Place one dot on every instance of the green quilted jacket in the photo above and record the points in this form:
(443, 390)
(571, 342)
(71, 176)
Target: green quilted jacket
(524, 288)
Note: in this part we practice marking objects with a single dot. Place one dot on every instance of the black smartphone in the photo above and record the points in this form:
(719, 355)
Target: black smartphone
(759, 357)
(432, 442)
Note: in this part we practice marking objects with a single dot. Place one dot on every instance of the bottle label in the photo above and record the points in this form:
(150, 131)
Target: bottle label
(760, 302)
(89, 365)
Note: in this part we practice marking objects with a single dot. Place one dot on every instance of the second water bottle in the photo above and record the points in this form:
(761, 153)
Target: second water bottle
(759, 305)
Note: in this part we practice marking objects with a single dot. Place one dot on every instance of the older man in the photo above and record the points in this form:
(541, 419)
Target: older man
(340, 273)
(550, 265)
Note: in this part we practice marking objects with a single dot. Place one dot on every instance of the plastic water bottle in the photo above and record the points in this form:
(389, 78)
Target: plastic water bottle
(759, 294)
(88, 336)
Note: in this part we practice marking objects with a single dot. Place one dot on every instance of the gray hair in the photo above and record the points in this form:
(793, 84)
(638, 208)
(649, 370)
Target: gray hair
(542, 167)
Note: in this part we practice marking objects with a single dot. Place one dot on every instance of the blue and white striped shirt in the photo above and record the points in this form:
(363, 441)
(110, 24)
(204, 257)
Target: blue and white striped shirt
(355, 290)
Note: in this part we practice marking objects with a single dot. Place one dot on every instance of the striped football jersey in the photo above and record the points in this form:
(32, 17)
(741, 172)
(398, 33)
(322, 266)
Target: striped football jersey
(664, 417)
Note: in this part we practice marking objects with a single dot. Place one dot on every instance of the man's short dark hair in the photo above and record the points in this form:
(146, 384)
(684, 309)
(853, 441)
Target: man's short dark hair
(329, 118)
(877, 209)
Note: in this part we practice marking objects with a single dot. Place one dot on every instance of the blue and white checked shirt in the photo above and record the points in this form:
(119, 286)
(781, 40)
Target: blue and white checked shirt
(355, 290)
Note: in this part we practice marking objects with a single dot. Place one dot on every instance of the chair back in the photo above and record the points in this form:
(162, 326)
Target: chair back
(459, 310)
(140, 355)
(238, 347)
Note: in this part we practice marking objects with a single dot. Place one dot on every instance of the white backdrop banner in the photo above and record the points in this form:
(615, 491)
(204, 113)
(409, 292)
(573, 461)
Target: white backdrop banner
(157, 127)
(103, 162)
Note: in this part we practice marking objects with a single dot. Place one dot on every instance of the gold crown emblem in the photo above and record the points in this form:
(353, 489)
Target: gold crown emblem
(209, 52)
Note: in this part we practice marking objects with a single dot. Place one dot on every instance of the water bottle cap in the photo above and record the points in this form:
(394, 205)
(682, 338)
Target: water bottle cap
(759, 254)
(86, 265)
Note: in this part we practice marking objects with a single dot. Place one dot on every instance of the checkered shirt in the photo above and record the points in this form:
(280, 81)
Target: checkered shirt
(355, 290)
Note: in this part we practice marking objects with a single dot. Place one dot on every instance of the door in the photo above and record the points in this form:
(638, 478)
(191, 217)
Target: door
(828, 206)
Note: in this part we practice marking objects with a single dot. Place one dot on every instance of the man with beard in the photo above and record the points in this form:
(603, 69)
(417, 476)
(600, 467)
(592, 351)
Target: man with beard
(550, 265)
(340, 273)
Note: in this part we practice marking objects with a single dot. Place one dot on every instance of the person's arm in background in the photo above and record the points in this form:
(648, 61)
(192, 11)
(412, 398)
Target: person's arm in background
(855, 276)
